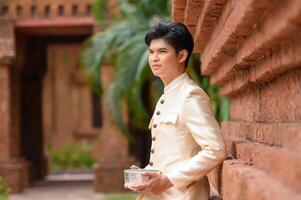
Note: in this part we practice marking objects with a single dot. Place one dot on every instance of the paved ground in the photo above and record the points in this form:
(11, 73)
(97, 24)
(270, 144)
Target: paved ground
(66, 187)
(66, 191)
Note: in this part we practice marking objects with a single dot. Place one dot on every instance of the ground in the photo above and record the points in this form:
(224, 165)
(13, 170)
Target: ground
(67, 187)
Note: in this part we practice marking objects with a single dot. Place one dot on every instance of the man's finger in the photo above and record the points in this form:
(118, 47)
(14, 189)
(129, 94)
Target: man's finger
(137, 187)
(134, 167)
(150, 175)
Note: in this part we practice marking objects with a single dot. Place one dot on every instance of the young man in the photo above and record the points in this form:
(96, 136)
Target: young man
(186, 139)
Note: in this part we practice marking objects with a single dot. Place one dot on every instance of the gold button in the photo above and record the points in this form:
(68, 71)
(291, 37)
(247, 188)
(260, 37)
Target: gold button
(162, 101)
(152, 151)
(154, 138)
(151, 163)
(158, 112)
(155, 125)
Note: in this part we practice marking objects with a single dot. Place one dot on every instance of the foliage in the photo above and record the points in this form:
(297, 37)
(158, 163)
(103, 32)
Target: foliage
(72, 156)
(220, 104)
(123, 44)
(4, 189)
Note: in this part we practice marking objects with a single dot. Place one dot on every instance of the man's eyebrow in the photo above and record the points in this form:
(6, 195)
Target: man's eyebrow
(158, 49)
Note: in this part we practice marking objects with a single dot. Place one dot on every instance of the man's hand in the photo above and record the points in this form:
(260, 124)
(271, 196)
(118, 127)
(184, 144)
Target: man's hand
(156, 184)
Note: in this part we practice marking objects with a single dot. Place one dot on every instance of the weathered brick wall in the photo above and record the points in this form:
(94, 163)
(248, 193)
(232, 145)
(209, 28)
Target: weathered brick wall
(252, 50)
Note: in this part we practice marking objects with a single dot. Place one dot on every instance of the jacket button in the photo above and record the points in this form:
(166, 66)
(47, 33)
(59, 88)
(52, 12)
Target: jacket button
(151, 163)
(155, 125)
(158, 112)
(162, 101)
(154, 138)
(152, 151)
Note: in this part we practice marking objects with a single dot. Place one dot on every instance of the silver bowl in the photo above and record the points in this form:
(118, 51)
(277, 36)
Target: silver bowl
(134, 176)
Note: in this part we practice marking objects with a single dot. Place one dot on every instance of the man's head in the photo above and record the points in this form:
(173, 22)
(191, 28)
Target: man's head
(175, 34)
(170, 46)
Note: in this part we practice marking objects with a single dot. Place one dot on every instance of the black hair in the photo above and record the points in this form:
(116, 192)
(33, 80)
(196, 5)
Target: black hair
(175, 34)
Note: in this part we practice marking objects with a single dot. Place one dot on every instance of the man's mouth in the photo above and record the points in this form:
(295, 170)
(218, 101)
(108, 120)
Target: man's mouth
(156, 66)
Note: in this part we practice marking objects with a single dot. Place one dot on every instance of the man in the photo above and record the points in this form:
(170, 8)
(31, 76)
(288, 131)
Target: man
(186, 139)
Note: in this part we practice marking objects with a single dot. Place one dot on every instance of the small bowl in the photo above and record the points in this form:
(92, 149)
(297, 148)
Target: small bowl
(134, 176)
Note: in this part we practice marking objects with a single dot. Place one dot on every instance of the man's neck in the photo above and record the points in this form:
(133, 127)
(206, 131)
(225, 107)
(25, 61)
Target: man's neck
(166, 80)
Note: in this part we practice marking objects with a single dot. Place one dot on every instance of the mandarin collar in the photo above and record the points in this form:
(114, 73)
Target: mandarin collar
(175, 83)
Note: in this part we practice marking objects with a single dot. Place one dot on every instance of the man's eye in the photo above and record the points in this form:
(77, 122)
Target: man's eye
(162, 51)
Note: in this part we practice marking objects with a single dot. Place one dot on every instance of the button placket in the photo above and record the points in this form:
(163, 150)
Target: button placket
(157, 114)
(155, 125)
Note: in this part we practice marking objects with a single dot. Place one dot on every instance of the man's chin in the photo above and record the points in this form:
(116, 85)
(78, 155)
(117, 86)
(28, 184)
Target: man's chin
(156, 75)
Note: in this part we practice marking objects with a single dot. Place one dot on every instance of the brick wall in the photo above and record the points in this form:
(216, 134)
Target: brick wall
(252, 50)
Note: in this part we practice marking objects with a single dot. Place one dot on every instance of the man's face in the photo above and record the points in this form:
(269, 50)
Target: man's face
(162, 58)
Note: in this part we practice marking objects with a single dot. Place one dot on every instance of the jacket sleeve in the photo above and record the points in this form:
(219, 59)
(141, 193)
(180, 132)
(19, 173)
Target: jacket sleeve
(201, 123)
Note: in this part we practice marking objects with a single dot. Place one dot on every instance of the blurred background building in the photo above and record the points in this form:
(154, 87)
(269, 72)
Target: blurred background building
(51, 120)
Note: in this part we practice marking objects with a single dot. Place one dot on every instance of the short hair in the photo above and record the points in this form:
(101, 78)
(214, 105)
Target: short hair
(175, 34)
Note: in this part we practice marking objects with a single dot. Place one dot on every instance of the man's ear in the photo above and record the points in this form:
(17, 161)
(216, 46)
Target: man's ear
(182, 55)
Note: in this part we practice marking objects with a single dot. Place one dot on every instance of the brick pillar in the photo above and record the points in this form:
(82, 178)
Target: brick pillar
(12, 167)
(114, 147)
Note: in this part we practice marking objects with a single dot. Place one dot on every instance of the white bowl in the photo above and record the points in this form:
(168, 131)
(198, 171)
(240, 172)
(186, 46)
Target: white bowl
(134, 176)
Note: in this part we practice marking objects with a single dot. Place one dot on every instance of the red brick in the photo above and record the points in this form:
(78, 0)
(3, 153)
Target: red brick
(283, 60)
(236, 23)
(192, 12)
(245, 106)
(178, 10)
(208, 17)
(248, 183)
(179, 4)
(273, 160)
(178, 15)
(286, 135)
(265, 103)
(277, 29)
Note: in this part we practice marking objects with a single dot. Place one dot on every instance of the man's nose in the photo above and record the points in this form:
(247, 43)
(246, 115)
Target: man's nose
(156, 57)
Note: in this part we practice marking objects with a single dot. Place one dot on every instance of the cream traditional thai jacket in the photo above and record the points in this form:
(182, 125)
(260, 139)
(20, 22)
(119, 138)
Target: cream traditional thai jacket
(187, 142)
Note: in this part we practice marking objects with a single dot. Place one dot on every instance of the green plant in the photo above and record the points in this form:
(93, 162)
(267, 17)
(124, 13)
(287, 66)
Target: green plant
(122, 43)
(4, 189)
(72, 156)
(220, 104)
